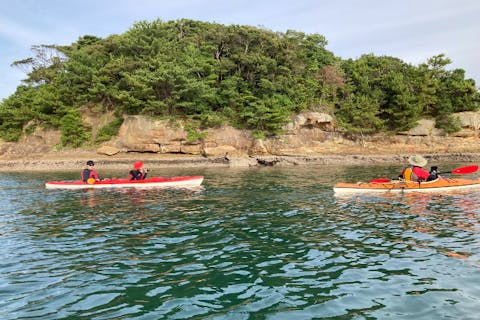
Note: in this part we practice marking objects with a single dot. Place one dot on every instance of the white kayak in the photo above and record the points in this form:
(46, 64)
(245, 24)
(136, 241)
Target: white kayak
(154, 182)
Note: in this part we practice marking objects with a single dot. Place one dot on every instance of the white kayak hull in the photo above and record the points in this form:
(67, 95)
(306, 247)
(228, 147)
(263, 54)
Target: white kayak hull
(155, 182)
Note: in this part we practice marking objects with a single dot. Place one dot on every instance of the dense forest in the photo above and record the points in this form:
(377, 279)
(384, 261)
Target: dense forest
(208, 74)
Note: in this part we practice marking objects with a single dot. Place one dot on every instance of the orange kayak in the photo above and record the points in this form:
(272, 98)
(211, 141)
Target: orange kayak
(439, 185)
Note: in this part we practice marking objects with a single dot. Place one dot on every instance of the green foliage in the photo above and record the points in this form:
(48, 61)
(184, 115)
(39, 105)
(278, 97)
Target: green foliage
(15, 113)
(360, 114)
(400, 94)
(212, 119)
(444, 91)
(269, 114)
(448, 123)
(74, 132)
(240, 75)
(108, 131)
(194, 133)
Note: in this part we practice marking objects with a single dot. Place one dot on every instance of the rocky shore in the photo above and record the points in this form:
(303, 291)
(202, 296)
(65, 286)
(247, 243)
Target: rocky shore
(310, 138)
(76, 161)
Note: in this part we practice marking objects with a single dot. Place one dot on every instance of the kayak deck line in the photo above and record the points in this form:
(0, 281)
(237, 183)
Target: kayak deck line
(438, 185)
(154, 182)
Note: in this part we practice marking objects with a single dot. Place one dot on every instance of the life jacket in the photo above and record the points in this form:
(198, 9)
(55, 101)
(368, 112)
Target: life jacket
(87, 173)
(408, 175)
(137, 175)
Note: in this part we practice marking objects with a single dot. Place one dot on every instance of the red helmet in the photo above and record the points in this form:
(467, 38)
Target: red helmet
(138, 165)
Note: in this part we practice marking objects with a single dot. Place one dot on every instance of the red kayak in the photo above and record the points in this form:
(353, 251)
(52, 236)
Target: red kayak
(154, 182)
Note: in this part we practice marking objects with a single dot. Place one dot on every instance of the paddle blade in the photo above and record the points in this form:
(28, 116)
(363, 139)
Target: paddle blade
(465, 170)
(380, 180)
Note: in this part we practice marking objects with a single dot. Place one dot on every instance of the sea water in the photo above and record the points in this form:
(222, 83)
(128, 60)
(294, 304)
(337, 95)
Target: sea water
(252, 243)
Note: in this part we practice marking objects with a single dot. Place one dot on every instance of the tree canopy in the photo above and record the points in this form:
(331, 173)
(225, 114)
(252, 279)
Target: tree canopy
(211, 74)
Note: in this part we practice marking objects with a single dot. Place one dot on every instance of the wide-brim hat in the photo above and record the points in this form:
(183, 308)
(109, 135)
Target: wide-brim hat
(417, 160)
(138, 165)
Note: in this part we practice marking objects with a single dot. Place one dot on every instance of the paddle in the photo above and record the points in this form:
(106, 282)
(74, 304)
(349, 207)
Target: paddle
(465, 170)
(380, 180)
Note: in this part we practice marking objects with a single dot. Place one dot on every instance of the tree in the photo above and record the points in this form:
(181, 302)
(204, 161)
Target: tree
(74, 132)
(210, 73)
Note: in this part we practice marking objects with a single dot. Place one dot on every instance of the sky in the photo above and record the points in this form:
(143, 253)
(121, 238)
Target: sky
(412, 30)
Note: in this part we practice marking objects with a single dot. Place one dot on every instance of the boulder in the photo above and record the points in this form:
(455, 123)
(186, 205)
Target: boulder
(425, 127)
(469, 119)
(318, 120)
(108, 150)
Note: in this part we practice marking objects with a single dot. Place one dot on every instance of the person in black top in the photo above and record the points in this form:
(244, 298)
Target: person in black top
(138, 172)
(433, 173)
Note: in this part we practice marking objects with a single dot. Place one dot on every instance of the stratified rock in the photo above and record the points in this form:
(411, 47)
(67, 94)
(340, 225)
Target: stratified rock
(144, 134)
(219, 151)
(234, 141)
(194, 149)
(465, 133)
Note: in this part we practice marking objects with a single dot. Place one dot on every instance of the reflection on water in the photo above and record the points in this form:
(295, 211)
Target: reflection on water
(269, 243)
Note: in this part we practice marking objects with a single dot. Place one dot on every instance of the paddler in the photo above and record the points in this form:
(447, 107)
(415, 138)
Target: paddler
(415, 171)
(138, 172)
(433, 173)
(89, 175)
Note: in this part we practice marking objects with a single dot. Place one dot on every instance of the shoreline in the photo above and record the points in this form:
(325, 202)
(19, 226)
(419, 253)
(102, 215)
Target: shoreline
(76, 162)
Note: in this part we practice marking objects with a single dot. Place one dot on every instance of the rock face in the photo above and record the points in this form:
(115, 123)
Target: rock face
(227, 140)
(310, 120)
(142, 134)
(308, 134)
(469, 120)
(42, 137)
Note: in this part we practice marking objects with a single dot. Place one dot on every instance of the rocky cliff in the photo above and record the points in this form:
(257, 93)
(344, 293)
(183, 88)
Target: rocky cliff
(307, 135)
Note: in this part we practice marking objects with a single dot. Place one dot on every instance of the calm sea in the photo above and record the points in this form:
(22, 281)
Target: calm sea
(254, 243)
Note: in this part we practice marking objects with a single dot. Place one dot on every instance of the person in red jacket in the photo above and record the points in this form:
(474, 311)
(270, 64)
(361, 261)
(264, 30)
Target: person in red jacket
(90, 173)
(415, 172)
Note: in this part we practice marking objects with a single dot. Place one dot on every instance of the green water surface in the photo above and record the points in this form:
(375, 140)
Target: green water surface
(254, 243)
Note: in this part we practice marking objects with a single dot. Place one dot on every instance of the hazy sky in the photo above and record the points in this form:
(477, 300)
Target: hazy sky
(412, 30)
